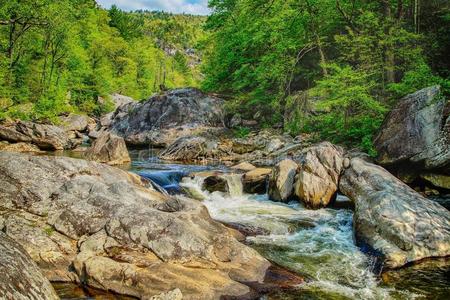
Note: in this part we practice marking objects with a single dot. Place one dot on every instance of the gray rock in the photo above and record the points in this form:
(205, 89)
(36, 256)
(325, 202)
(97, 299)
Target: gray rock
(416, 131)
(46, 137)
(392, 218)
(21, 279)
(74, 122)
(281, 181)
(110, 149)
(235, 121)
(120, 100)
(19, 147)
(244, 166)
(274, 145)
(124, 236)
(193, 148)
(317, 181)
(162, 119)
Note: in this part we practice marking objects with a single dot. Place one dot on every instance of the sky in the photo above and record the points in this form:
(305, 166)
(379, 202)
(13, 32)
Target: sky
(196, 7)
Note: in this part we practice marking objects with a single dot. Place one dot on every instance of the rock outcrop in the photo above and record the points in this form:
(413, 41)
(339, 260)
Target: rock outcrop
(281, 181)
(46, 137)
(192, 148)
(89, 222)
(244, 166)
(73, 122)
(318, 176)
(255, 181)
(163, 118)
(416, 131)
(19, 147)
(21, 279)
(110, 149)
(415, 136)
(393, 219)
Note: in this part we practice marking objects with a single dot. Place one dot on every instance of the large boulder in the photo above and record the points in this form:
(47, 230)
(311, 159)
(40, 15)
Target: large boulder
(281, 181)
(21, 279)
(318, 176)
(74, 122)
(255, 181)
(46, 137)
(416, 132)
(119, 100)
(392, 218)
(110, 149)
(163, 118)
(90, 222)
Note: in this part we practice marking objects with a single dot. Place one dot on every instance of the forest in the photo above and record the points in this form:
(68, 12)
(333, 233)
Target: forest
(328, 67)
(268, 149)
(60, 56)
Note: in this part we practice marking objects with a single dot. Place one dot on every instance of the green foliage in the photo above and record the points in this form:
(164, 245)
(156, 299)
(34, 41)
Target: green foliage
(419, 77)
(266, 53)
(349, 114)
(241, 132)
(61, 56)
(129, 25)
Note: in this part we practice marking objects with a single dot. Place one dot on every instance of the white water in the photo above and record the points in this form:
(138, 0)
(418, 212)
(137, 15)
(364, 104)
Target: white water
(234, 182)
(317, 244)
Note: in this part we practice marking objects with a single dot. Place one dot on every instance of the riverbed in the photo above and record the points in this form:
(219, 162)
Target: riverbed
(316, 244)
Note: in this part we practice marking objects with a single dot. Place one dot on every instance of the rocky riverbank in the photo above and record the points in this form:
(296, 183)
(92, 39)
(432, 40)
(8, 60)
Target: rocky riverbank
(85, 222)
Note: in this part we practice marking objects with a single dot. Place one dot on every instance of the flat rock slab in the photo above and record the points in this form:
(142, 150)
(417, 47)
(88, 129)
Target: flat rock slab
(118, 233)
(21, 279)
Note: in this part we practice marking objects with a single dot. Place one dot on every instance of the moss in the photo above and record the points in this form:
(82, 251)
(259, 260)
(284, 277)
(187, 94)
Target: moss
(49, 230)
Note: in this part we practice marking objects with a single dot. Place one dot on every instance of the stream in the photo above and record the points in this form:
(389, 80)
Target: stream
(317, 244)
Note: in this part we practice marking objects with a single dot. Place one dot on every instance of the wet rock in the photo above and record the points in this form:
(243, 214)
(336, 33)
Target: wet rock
(21, 278)
(255, 181)
(281, 181)
(215, 183)
(318, 176)
(277, 279)
(110, 149)
(126, 235)
(247, 230)
(416, 131)
(437, 180)
(343, 202)
(162, 119)
(392, 218)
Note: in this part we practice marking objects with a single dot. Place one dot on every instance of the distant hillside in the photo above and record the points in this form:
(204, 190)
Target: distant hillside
(60, 56)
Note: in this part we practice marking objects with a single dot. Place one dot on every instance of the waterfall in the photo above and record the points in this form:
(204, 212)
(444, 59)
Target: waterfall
(193, 185)
(234, 182)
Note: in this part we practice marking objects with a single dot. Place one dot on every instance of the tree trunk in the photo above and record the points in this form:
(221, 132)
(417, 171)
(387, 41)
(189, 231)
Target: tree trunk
(323, 60)
(389, 58)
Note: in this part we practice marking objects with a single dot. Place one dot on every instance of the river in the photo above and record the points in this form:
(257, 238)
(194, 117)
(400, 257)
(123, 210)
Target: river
(317, 244)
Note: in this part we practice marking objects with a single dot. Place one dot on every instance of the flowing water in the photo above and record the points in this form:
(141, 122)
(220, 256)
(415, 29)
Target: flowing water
(317, 244)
